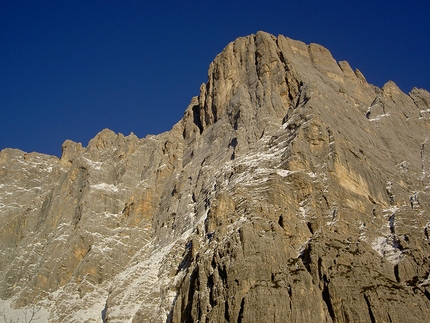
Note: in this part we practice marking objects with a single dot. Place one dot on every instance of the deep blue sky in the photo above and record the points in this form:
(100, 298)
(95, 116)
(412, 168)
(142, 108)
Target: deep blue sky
(68, 69)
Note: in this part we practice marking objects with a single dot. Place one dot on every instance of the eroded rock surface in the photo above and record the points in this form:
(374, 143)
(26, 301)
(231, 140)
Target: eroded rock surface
(291, 191)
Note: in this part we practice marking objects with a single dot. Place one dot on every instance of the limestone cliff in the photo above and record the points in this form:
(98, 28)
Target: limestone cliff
(291, 191)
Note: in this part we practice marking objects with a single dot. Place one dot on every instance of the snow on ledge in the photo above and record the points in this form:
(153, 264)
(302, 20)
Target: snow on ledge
(105, 187)
(377, 118)
(386, 250)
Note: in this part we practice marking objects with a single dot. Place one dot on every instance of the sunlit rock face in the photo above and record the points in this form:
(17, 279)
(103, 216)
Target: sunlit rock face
(291, 191)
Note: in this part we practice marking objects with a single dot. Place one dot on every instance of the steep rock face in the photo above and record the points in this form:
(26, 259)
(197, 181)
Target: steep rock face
(291, 191)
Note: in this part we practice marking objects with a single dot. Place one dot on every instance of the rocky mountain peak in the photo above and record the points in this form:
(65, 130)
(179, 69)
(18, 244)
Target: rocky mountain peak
(291, 190)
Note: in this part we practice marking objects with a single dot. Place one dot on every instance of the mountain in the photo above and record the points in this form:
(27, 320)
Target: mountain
(290, 191)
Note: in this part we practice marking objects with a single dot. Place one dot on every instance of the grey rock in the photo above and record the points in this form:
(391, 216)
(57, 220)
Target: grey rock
(290, 191)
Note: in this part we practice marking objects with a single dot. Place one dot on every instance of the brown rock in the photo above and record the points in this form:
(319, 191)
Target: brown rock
(291, 191)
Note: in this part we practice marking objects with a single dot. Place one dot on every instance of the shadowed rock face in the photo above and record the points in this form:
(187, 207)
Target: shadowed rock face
(291, 191)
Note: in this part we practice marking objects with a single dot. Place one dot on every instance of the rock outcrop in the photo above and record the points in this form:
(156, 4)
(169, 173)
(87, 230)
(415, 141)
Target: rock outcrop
(291, 191)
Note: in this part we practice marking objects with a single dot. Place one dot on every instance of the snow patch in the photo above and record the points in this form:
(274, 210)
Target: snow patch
(377, 118)
(93, 164)
(312, 175)
(283, 172)
(110, 215)
(384, 247)
(392, 209)
(302, 212)
(105, 187)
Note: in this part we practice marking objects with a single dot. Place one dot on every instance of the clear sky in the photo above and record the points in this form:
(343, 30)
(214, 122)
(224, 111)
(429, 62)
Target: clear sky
(68, 69)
